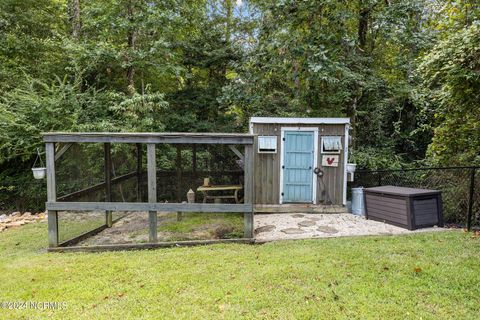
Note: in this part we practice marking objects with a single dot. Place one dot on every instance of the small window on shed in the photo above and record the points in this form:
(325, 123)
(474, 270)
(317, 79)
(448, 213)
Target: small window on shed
(331, 144)
(267, 144)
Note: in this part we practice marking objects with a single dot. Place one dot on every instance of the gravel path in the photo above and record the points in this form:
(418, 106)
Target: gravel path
(269, 227)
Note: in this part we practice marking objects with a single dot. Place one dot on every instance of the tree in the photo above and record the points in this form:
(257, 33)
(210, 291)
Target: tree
(452, 82)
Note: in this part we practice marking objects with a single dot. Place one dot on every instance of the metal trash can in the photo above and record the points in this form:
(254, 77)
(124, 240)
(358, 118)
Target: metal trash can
(358, 205)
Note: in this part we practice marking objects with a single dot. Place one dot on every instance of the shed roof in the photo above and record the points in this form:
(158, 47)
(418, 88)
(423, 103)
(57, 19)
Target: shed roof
(299, 120)
(149, 137)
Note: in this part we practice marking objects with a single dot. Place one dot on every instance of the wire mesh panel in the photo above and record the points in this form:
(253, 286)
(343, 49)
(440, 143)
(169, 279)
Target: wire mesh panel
(116, 172)
(133, 228)
(455, 184)
(72, 224)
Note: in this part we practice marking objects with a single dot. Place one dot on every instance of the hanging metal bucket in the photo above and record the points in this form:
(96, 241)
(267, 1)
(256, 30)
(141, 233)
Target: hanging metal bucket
(39, 173)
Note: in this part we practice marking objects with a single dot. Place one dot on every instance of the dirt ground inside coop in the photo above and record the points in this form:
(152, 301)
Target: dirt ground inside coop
(133, 228)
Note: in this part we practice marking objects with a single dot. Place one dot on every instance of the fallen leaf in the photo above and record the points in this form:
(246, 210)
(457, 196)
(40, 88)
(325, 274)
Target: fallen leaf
(121, 294)
(417, 270)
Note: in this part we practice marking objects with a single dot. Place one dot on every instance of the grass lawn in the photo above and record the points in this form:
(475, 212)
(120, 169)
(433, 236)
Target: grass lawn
(429, 276)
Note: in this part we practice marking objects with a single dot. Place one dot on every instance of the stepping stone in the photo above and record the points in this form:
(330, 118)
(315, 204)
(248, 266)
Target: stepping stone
(267, 228)
(293, 231)
(297, 215)
(327, 229)
(306, 223)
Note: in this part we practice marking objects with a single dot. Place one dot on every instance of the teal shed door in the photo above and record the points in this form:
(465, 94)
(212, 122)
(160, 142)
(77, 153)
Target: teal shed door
(298, 156)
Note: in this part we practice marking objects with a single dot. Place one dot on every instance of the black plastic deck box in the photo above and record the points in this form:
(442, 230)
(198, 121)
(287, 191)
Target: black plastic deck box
(404, 207)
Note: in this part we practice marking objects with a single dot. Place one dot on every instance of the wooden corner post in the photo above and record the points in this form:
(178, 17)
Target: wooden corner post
(139, 172)
(152, 191)
(108, 182)
(248, 189)
(51, 194)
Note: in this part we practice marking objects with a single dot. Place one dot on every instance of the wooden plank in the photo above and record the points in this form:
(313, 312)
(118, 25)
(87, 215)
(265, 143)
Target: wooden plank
(50, 162)
(194, 165)
(220, 188)
(139, 173)
(142, 246)
(179, 174)
(237, 152)
(108, 181)
(248, 192)
(142, 206)
(52, 228)
(150, 138)
(276, 176)
(62, 151)
(179, 179)
(152, 191)
(51, 194)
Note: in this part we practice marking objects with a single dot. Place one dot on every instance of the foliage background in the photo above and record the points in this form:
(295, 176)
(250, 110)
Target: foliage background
(405, 72)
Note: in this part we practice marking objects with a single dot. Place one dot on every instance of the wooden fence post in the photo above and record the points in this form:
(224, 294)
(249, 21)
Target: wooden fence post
(248, 190)
(194, 164)
(139, 172)
(179, 179)
(108, 181)
(152, 190)
(51, 194)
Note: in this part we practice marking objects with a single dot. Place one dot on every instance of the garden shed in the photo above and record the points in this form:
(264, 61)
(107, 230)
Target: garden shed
(299, 161)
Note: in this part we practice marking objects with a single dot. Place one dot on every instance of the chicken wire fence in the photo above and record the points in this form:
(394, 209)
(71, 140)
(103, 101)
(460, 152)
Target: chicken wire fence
(80, 176)
(460, 188)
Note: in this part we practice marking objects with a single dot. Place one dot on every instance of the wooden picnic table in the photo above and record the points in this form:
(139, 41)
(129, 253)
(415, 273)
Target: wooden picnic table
(207, 190)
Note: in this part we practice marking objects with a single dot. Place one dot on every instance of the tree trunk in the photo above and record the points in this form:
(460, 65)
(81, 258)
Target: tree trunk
(363, 17)
(131, 42)
(73, 8)
(229, 20)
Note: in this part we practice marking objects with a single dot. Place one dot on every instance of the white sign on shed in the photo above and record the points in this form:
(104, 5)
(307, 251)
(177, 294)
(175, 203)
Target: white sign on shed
(330, 160)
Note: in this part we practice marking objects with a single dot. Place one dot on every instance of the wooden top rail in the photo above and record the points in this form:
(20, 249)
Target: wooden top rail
(144, 206)
(150, 137)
